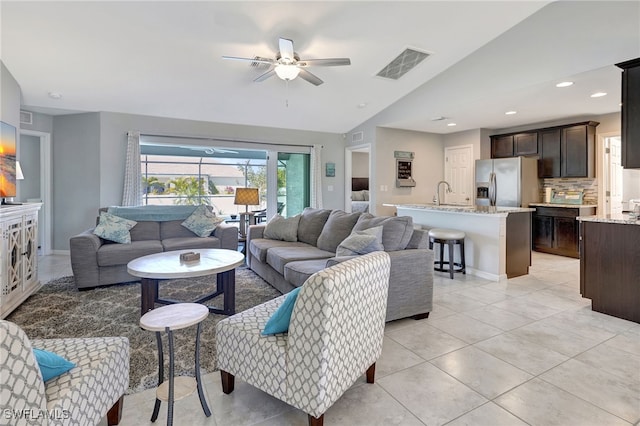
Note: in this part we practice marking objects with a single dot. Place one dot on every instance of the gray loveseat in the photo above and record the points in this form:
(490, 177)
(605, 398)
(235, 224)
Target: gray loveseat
(287, 264)
(97, 262)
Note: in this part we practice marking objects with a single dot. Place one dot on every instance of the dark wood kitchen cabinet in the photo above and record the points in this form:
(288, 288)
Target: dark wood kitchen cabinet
(631, 114)
(514, 145)
(577, 151)
(610, 267)
(549, 153)
(556, 231)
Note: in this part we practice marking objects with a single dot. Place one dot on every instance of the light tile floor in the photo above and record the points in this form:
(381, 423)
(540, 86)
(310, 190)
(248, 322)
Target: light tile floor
(528, 350)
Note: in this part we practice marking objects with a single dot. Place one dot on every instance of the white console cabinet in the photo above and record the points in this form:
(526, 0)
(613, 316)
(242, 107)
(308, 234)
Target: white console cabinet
(18, 254)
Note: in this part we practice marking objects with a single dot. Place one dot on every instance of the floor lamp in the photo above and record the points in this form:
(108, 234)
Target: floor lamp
(246, 197)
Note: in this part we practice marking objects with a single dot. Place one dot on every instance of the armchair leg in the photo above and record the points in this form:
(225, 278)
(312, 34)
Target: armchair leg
(228, 382)
(316, 421)
(371, 373)
(114, 415)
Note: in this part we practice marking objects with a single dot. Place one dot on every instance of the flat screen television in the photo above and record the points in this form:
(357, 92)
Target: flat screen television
(7, 160)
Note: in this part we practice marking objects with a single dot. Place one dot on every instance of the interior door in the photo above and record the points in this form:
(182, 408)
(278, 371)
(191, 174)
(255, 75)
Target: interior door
(458, 172)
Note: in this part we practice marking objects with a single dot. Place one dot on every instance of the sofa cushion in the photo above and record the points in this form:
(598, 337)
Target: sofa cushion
(260, 246)
(202, 221)
(280, 228)
(278, 257)
(174, 229)
(190, 243)
(361, 242)
(297, 272)
(336, 229)
(114, 228)
(311, 223)
(145, 230)
(396, 230)
(118, 254)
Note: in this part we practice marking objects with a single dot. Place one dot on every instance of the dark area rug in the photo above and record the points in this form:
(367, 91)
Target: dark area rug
(59, 310)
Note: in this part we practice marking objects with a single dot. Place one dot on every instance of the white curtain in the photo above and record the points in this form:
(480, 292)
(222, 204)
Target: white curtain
(316, 177)
(132, 192)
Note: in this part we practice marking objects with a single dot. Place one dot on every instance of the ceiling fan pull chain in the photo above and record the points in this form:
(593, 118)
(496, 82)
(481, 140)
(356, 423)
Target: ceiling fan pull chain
(286, 93)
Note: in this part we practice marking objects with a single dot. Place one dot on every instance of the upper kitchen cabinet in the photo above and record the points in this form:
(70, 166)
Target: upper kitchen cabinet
(563, 151)
(514, 145)
(631, 113)
(577, 151)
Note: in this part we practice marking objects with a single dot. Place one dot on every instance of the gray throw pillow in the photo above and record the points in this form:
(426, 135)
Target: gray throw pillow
(357, 195)
(311, 223)
(337, 228)
(396, 230)
(279, 228)
(361, 242)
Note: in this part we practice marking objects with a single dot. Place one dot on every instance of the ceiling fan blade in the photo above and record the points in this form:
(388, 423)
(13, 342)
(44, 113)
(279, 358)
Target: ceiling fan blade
(286, 50)
(266, 75)
(329, 62)
(258, 60)
(311, 78)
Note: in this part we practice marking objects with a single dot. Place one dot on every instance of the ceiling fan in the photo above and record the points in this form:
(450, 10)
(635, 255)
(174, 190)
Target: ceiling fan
(287, 64)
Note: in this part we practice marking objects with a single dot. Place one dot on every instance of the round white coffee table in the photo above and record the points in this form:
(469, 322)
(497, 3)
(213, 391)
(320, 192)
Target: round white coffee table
(167, 265)
(168, 319)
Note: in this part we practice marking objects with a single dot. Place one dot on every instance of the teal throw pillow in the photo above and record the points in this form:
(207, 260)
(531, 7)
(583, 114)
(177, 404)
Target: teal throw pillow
(202, 221)
(279, 321)
(114, 228)
(51, 365)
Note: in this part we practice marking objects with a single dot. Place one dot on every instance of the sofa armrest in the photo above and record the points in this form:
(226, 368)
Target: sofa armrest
(410, 283)
(228, 236)
(84, 258)
(254, 232)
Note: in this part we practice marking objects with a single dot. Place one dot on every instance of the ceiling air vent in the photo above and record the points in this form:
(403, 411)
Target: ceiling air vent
(357, 137)
(404, 63)
(26, 117)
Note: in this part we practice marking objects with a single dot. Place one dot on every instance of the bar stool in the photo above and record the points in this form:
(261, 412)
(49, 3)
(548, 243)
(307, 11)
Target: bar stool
(169, 318)
(450, 237)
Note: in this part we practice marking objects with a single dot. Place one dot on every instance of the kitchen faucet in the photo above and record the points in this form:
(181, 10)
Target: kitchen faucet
(436, 198)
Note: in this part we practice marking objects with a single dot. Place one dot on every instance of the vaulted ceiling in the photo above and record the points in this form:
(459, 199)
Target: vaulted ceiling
(165, 59)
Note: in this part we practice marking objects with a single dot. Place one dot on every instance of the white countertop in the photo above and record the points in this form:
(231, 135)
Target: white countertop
(622, 218)
(482, 210)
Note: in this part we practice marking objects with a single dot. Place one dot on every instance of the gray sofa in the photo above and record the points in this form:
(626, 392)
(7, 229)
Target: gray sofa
(287, 264)
(97, 262)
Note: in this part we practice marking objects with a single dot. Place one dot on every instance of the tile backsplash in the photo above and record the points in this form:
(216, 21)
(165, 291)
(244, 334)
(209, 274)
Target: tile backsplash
(590, 187)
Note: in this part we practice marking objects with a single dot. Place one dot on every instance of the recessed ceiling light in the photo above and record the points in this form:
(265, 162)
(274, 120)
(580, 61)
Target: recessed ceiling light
(362, 105)
(55, 95)
(451, 124)
(565, 84)
(510, 112)
(599, 94)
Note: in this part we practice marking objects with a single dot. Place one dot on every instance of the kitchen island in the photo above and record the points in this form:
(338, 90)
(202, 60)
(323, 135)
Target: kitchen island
(610, 264)
(498, 239)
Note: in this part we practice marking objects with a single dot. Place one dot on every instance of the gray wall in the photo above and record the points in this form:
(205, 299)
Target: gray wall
(89, 153)
(30, 164)
(10, 102)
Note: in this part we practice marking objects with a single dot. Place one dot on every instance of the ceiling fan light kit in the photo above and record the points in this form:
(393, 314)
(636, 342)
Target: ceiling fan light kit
(287, 72)
(287, 65)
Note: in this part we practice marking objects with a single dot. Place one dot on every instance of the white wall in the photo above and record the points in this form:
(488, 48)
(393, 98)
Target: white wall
(428, 167)
(360, 164)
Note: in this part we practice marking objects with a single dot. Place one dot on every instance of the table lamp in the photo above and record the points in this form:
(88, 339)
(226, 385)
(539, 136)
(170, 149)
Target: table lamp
(246, 197)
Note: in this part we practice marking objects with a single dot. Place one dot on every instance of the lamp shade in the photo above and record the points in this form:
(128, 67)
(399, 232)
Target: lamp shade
(19, 175)
(247, 196)
(287, 72)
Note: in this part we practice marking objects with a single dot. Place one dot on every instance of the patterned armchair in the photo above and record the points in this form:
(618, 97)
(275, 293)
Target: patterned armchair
(335, 335)
(82, 396)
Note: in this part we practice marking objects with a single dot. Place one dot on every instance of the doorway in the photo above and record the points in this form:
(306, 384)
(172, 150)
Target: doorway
(35, 160)
(611, 193)
(458, 171)
(358, 165)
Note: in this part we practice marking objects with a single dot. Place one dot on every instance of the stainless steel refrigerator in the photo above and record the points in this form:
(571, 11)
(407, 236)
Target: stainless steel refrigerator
(507, 182)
